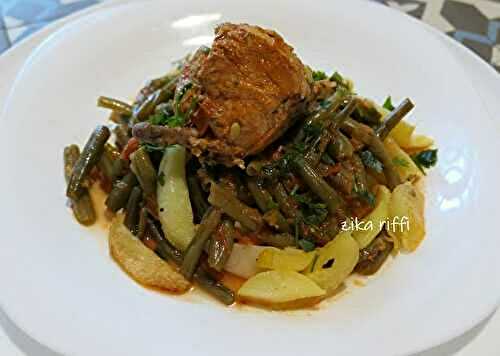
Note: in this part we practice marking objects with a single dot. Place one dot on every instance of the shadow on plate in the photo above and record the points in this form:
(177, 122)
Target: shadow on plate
(31, 347)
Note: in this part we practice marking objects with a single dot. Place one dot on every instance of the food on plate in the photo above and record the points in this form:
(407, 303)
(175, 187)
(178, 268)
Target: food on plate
(243, 164)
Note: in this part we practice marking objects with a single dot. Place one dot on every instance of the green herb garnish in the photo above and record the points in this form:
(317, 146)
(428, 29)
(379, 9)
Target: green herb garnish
(313, 213)
(425, 159)
(337, 78)
(388, 104)
(318, 75)
(306, 245)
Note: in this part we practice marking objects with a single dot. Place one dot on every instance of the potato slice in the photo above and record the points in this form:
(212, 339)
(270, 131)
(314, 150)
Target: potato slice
(405, 166)
(418, 143)
(243, 259)
(374, 222)
(280, 289)
(402, 133)
(288, 259)
(142, 264)
(176, 214)
(336, 260)
(407, 204)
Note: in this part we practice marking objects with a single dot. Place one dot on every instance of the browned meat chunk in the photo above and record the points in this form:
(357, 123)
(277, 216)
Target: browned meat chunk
(251, 78)
(250, 86)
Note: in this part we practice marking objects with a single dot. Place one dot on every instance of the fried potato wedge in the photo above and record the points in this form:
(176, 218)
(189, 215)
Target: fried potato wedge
(142, 264)
(407, 204)
(405, 166)
(336, 260)
(280, 289)
(291, 259)
(402, 133)
(377, 218)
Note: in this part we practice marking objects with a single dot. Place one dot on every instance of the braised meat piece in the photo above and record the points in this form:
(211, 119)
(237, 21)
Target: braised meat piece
(250, 86)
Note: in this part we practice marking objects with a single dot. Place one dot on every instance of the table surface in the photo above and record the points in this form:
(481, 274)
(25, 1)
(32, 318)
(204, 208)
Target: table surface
(475, 23)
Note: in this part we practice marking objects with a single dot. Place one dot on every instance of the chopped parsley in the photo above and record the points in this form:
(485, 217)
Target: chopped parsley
(398, 161)
(306, 245)
(388, 104)
(425, 159)
(164, 120)
(337, 78)
(370, 161)
(319, 75)
(313, 213)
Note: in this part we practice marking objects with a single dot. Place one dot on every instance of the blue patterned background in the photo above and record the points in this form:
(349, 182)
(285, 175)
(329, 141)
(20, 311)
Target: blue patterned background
(475, 23)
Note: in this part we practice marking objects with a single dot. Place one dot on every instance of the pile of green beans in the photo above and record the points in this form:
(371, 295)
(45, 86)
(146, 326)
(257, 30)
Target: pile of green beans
(314, 167)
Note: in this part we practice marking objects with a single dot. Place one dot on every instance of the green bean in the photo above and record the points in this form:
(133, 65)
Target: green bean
(88, 159)
(320, 116)
(340, 148)
(115, 105)
(118, 169)
(141, 224)
(83, 209)
(277, 240)
(262, 197)
(121, 136)
(143, 168)
(146, 108)
(286, 203)
(196, 195)
(359, 172)
(318, 185)
(193, 253)
(372, 257)
(119, 118)
(223, 199)
(313, 156)
(105, 164)
(366, 135)
(201, 276)
(394, 118)
(367, 112)
(120, 193)
(221, 245)
(132, 210)
(276, 220)
(215, 288)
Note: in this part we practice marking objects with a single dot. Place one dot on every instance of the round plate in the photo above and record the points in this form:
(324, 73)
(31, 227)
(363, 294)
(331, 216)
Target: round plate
(60, 284)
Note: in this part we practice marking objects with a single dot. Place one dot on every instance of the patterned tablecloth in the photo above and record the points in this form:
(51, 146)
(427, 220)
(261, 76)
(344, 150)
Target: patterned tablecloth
(475, 23)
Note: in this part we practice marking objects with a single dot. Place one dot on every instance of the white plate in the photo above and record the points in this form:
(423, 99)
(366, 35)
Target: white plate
(66, 292)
